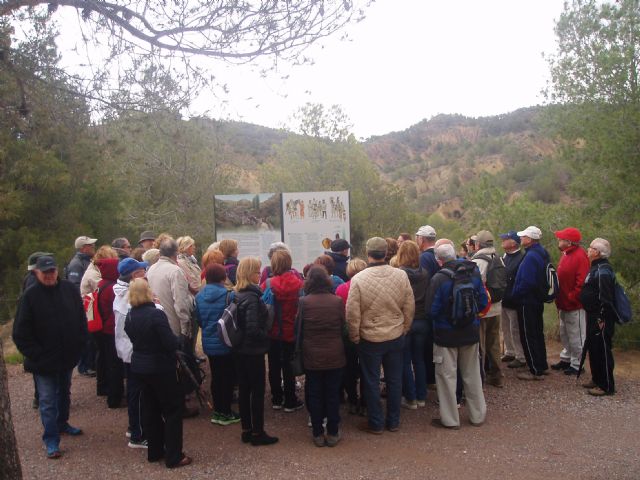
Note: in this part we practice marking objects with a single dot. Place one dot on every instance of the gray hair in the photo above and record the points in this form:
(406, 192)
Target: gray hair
(168, 248)
(119, 242)
(277, 246)
(601, 245)
(445, 253)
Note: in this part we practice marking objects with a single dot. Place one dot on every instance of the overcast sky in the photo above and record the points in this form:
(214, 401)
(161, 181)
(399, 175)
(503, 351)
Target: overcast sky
(408, 60)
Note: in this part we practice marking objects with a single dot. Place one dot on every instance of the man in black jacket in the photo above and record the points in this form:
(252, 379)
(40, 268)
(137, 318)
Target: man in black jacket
(513, 352)
(50, 330)
(597, 298)
(340, 254)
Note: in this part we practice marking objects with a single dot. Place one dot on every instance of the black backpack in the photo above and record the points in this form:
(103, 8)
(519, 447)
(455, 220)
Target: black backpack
(463, 301)
(496, 276)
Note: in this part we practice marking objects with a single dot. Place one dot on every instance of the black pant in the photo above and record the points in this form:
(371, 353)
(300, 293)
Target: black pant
(323, 397)
(111, 369)
(134, 404)
(531, 326)
(222, 377)
(280, 355)
(599, 343)
(162, 403)
(430, 369)
(351, 376)
(250, 369)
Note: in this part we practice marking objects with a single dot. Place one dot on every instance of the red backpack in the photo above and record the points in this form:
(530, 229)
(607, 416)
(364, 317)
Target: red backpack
(91, 310)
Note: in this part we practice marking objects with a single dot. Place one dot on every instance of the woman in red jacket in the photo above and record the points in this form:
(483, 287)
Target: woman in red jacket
(285, 285)
(110, 370)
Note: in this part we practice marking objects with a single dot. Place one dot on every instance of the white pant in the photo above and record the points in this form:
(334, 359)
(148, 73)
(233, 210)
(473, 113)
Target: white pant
(573, 331)
(511, 334)
(447, 360)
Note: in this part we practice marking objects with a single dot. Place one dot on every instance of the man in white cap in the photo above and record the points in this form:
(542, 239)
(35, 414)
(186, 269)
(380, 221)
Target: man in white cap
(426, 240)
(85, 250)
(526, 293)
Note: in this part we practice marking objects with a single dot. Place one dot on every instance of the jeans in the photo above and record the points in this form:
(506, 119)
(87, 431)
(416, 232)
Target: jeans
(389, 355)
(323, 399)
(134, 404)
(414, 380)
(280, 355)
(55, 396)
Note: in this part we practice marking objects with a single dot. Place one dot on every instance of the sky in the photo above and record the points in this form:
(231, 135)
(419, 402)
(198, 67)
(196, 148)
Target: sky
(406, 61)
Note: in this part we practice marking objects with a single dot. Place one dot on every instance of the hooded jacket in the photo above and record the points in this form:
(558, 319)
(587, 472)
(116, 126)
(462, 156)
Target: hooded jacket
(340, 268)
(210, 303)
(76, 268)
(286, 289)
(109, 272)
(526, 287)
(572, 270)
(120, 309)
(50, 328)
(322, 326)
(483, 266)
(252, 321)
(419, 280)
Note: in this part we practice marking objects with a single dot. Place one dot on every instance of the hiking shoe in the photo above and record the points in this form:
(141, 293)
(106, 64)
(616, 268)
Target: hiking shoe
(561, 365)
(319, 441)
(225, 418)
(364, 427)
(508, 358)
(277, 405)
(53, 452)
(332, 440)
(515, 363)
(409, 404)
(69, 430)
(138, 444)
(589, 384)
(184, 461)
(436, 422)
(573, 371)
(263, 439)
(421, 403)
(297, 405)
(596, 392)
(528, 376)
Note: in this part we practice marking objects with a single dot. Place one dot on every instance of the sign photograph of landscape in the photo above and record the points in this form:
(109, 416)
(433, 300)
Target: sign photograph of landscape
(312, 220)
(254, 220)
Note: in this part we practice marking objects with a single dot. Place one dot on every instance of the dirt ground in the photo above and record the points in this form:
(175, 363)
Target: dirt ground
(548, 429)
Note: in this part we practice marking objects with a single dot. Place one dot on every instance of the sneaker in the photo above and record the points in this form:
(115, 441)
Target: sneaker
(128, 433)
(319, 441)
(515, 363)
(573, 371)
(507, 358)
(528, 376)
(225, 418)
(138, 444)
(263, 439)
(53, 452)
(409, 404)
(436, 422)
(69, 430)
(596, 392)
(561, 365)
(277, 405)
(88, 373)
(297, 405)
(421, 403)
(332, 440)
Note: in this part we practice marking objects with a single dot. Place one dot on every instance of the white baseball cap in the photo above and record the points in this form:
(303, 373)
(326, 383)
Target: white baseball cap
(84, 240)
(426, 231)
(532, 232)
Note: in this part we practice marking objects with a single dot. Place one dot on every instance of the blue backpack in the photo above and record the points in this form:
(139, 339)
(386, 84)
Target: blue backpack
(463, 302)
(621, 305)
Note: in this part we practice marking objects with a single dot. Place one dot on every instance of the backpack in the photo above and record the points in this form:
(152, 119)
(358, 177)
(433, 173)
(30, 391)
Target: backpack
(621, 305)
(548, 285)
(496, 276)
(92, 311)
(463, 301)
(269, 299)
(228, 329)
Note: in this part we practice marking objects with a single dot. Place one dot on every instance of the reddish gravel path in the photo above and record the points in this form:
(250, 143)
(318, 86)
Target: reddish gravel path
(548, 430)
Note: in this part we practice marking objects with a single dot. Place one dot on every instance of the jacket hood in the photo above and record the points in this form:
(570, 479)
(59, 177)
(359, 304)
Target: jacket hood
(337, 257)
(485, 251)
(415, 274)
(120, 289)
(108, 268)
(212, 293)
(286, 286)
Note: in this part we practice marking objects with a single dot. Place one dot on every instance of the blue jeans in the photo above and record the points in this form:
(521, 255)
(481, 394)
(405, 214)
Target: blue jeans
(134, 404)
(414, 380)
(372, 356)
(55, 396)
(323, 398)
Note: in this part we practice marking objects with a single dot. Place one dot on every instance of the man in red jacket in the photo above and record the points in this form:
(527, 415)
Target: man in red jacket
(572, 270)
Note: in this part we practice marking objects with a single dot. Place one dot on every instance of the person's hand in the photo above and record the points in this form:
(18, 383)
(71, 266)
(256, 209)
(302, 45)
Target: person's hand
(601, 324)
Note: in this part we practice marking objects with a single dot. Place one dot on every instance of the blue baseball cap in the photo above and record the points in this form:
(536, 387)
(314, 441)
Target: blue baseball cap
(512, 234)
(129, 265)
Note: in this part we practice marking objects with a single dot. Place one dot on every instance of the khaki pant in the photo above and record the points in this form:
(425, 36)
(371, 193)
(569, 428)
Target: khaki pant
(573, 332)
(511, 334)
(447, 361)
(490, 347)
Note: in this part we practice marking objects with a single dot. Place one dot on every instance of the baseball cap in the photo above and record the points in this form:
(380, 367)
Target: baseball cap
(84, 240)
(512, 234)
(426, 231)
(33, 258)
(376, 244)
(339, 245)
(532, 232)
(46, 263)
(484, 236)
(129, 265)
(571, 234)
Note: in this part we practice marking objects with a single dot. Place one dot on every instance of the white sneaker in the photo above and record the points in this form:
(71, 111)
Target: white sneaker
(138, 444)
(409, 404)
(421, 403)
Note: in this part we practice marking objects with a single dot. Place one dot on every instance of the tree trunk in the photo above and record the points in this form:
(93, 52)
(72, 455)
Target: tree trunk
(9, 459)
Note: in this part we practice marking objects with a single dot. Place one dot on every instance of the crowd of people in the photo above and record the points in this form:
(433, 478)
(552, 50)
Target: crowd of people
(413, 313)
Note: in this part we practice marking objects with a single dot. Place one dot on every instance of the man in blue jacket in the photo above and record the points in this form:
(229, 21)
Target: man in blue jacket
(455, 347)
(526, 293)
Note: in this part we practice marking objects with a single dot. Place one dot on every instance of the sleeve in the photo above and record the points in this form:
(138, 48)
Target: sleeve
(525, 278)
(431, 297)
(409, 306)
(354, 315)
(434, 304)
(168, 340)
(582, 269)
(483, 299)
(23, 331)
(182, 301)
(606, 288)
(253, 326)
